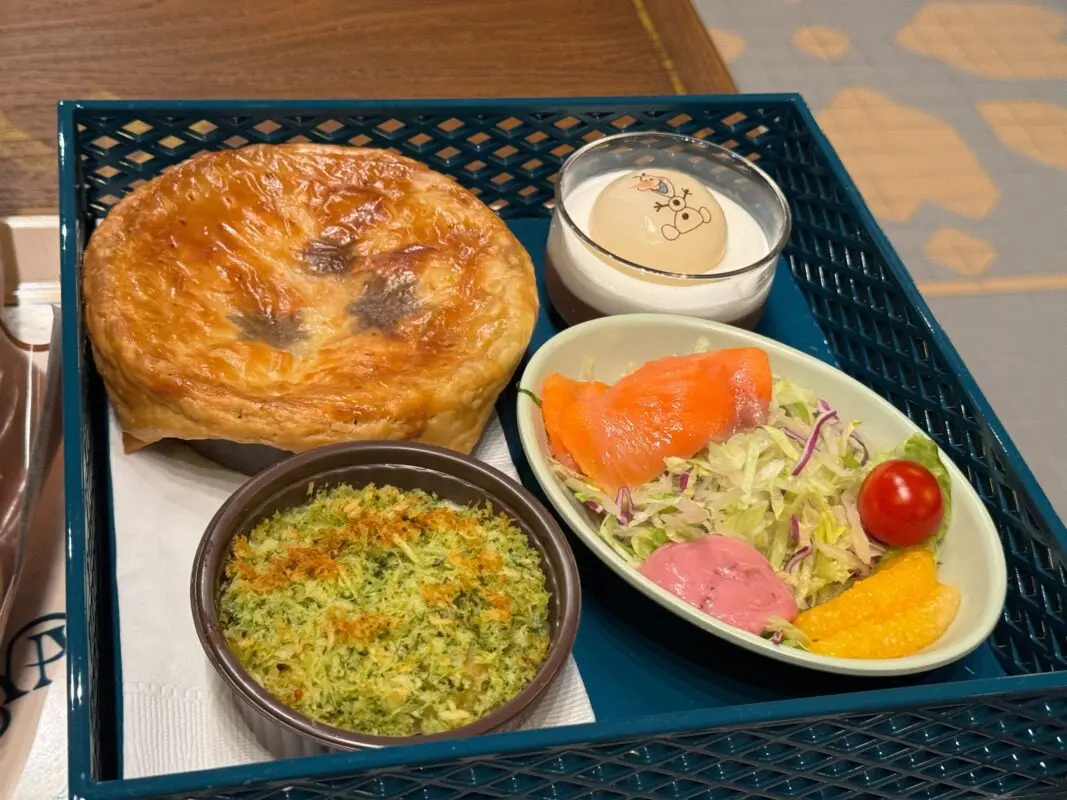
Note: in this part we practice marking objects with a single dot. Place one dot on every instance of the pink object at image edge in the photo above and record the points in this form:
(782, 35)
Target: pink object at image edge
(724, 577)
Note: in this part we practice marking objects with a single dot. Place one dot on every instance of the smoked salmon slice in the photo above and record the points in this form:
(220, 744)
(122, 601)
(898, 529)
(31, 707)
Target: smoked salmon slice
(557, 395)
(619, 435)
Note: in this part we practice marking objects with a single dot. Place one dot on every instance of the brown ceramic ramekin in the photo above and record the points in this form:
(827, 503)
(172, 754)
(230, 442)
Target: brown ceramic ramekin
(285, 732)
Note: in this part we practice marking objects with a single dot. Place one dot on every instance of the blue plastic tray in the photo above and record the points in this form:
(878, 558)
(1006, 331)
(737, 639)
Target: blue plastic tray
(680, 713)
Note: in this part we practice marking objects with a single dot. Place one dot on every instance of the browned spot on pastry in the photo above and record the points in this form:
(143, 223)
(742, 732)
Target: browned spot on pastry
(387, 298)
(389, 293)
(327, 257)
(280, 331)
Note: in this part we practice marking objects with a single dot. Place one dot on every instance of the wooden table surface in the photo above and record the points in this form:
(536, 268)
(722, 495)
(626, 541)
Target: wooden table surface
(326, 48)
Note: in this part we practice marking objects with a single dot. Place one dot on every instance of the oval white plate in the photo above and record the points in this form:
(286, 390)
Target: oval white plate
(971, 556)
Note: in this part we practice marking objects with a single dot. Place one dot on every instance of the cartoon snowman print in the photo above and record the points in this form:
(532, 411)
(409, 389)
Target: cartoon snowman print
(686, 217)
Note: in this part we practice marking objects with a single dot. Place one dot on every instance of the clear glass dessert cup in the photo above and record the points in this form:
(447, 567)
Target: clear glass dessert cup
(586, 280)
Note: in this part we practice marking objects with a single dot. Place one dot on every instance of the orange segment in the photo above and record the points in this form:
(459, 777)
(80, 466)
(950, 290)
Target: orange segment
(900, 583)
(902, 634)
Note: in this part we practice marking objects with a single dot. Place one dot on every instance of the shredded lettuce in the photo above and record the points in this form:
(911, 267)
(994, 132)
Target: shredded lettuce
(923, 450)
(786, 634)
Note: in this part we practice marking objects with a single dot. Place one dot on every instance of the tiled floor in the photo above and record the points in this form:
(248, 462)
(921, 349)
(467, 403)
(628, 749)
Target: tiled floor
(952, 119)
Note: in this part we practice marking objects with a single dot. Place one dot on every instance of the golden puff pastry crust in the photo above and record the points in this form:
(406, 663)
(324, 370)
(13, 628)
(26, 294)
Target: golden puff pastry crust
(301, 295)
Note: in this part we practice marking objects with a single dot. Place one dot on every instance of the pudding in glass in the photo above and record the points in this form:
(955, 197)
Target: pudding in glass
(657, 222)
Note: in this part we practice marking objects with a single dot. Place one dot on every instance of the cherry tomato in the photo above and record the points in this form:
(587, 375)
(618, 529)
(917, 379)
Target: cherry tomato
(900, 503)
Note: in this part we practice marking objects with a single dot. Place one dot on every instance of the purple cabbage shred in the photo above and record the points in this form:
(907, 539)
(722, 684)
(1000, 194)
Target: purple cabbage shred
(626, 505)
(797, 557)
(813, 440)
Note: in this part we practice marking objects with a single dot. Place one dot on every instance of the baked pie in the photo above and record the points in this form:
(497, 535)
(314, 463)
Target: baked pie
(299, 295)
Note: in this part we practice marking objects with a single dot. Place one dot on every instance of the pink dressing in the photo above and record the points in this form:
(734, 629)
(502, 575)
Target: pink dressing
(724, 577)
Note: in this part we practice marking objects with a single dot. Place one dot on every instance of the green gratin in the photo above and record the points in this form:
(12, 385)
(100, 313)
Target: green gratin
(387, 612)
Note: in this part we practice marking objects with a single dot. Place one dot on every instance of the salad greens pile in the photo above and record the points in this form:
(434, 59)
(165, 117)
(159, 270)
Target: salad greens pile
(788, 487)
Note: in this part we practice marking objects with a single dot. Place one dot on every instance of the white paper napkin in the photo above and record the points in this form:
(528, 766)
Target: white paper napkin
(178, 715)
